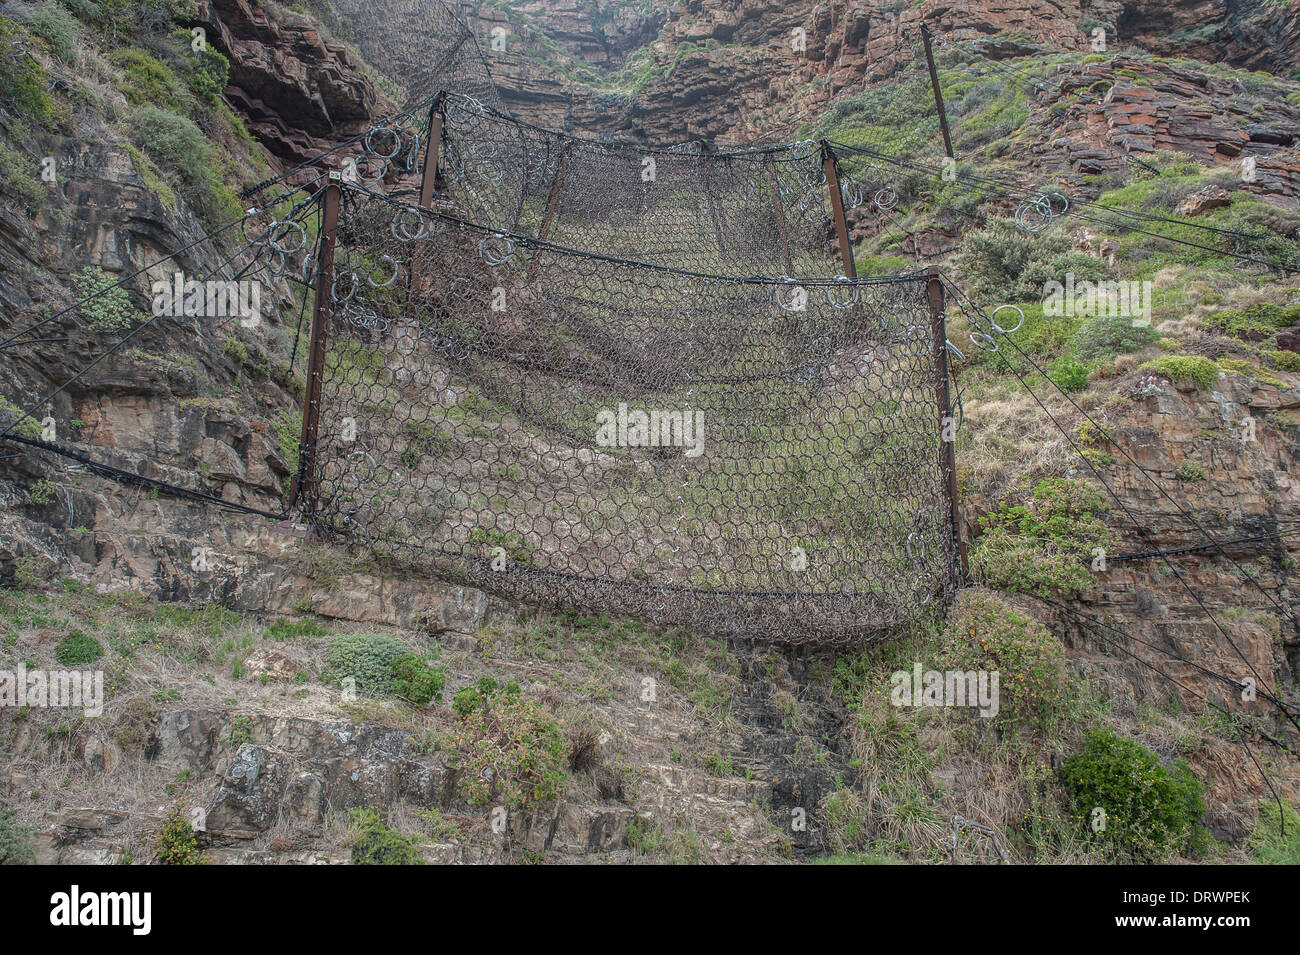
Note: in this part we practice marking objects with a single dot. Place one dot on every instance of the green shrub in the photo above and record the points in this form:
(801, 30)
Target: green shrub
(42, 493)
(1186, 369)
(282, 628)
(178, 146)
(78, 649)
(173, 141)
(148, 81)
(466, 701)
(1069, 374)
(58, 28)
(415, 681)
(177, 842)
(367, 658)
(209, 76)
(111, 307)
(23, 82)
(984, 632)
(1284, 360)
(1003, 263)
(1105, 336)
(1274, 841)
(1044, 545)
(374, 843)
(18, 178)
(1149, 809)
(15, 840)
(1189, 471)
(522, 744)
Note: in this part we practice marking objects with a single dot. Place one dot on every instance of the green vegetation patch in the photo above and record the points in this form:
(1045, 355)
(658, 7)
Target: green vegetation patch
(1044, 545)
(1130, 803)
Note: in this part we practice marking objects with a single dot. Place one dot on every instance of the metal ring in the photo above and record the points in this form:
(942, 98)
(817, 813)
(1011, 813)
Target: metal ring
(490, 170)
(277, 269)
(467, 106)
(370, 144)
(334, 287)
(293, 225)
(789, 282)
(1006, 331)
(370, 276)
(885, 199)
(955, 350)
(371, 180)
(977, 337)
(844, 280)
(851, 191)
(488, 255)
(1065, 203)
(402, 233)
(907, 546)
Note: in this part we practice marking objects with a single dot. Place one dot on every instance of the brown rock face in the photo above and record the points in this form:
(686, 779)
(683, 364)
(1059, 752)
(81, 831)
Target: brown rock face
(1203, 200)
(299, 92)
(745, 69)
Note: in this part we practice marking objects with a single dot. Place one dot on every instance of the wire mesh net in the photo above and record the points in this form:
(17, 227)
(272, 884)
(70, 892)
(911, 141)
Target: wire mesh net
(737, 455)
(744, 212)
(422, 45)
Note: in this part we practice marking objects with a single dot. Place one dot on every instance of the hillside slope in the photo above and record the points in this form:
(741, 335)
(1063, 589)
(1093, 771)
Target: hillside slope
(531, 734)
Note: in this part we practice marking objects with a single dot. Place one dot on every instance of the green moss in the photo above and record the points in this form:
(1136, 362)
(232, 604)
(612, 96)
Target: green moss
(1186, 370)
(1254, 323)
(77, 649)
(1284, 360)
(1251, 371)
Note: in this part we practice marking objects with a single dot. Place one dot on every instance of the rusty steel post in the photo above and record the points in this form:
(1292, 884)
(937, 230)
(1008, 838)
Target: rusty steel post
(938, 96)
(779, 210)
(304, 485)
(432, 149)
(831, 166)
(947, 429)
(552, 202)
(557, 186)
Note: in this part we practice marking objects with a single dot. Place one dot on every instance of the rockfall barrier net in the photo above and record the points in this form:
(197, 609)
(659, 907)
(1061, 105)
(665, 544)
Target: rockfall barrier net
(745, 212)
(740, 455)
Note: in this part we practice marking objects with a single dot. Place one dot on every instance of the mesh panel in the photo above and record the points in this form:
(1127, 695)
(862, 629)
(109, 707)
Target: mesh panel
(737, 455)
(749, 212)
(422, 45)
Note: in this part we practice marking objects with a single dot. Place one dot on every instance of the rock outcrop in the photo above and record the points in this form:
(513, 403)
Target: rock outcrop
(298, 91)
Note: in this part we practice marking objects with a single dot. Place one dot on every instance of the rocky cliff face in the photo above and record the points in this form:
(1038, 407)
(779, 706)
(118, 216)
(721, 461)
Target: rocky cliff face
(298, 92)
(743, 69)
